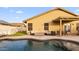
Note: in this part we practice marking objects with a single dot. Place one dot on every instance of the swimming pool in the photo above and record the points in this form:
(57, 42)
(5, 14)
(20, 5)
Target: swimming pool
(32, 45)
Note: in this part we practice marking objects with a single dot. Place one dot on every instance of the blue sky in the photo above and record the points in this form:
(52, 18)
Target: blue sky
(18, 14)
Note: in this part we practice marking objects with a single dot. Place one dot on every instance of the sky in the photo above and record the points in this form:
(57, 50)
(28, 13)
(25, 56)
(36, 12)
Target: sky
(18, 14)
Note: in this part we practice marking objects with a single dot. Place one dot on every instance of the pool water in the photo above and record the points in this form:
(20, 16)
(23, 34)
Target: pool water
(28, 45)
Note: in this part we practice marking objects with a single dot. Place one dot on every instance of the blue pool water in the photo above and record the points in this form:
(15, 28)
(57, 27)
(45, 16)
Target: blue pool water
(28, 45)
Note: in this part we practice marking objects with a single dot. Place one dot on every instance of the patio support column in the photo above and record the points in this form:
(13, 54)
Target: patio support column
(60, 27)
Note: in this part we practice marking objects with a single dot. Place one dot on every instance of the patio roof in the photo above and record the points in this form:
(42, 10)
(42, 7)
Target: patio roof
(66, 19)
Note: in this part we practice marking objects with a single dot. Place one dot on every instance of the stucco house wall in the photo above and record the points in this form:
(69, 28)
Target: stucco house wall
(48, 17)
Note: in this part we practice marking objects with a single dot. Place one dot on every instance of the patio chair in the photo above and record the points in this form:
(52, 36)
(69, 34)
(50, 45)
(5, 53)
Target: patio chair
(53, 33)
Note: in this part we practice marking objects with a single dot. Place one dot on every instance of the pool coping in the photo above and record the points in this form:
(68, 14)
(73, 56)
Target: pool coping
(42, 38)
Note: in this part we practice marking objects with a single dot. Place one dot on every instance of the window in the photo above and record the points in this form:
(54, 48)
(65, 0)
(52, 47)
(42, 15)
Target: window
(29, 26)
(46, 26)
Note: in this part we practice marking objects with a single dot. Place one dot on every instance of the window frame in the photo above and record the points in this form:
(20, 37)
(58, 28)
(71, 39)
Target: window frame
(46, 26)
(30, 26)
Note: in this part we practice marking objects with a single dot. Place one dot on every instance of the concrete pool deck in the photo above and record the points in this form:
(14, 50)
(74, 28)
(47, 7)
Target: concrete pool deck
(72, 38)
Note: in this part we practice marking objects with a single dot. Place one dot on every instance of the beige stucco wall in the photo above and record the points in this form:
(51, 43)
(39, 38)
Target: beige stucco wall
(7, 30)
(38, 22)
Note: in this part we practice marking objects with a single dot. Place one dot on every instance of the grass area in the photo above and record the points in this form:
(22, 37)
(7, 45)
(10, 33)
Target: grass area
(19, 33)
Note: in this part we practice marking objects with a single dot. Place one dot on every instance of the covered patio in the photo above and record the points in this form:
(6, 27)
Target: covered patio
(63, 20)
